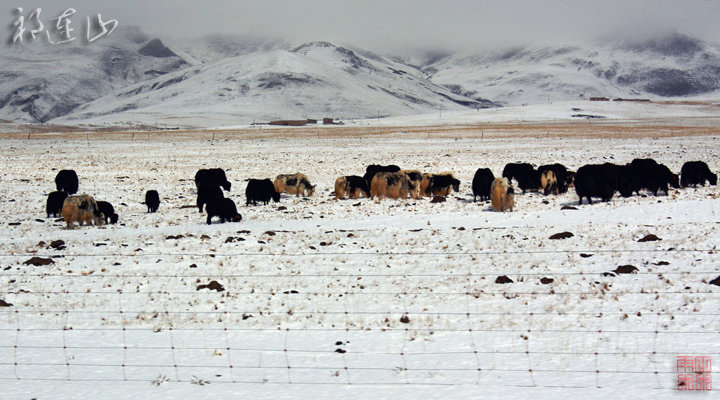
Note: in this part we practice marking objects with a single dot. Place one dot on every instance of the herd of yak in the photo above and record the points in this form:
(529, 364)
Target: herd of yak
(390, 181)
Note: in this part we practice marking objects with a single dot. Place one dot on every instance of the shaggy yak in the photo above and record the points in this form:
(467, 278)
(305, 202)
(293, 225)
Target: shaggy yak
(549, 182)
(394, 185)
(502, 195)
(438, 184)
(297, 184)
(81, 209)
(352, 185)
(415, 179)
(373, 169)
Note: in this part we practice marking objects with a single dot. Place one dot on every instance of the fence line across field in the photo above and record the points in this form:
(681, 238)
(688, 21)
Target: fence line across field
(597, 314)
(367, 254)
(410, 353)
(368, 293)
(714, 332)
(68, 341)
(581, 128)
(197, 381)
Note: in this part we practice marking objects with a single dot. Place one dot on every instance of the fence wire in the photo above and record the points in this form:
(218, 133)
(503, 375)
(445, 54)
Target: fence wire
(434, 329)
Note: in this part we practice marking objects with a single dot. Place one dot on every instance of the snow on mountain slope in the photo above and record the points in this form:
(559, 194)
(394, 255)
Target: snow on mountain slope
(314, 80)
(674, 65)
(223, 80)
(211, 48)
(39, 82)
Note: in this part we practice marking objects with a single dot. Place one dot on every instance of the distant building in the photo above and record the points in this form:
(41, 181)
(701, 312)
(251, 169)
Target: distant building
(290, 122)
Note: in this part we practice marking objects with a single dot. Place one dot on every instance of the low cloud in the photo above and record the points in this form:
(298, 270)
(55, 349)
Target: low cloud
(408, 24)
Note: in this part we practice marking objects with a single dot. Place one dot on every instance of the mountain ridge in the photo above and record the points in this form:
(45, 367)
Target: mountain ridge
(135, 78)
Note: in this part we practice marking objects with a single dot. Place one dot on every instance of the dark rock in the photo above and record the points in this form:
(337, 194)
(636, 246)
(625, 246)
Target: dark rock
(4, 303)
(213, 285)
(561, 235)
(625, 269)
(649, 238)
(39, 261)
(568, 208)
(715, 281)
(404, 319)
(503, 279)
(585, 255)
(57, 244)
(547, 281)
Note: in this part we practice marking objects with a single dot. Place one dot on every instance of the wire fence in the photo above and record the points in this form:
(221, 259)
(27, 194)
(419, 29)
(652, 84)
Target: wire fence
(351, 324)
(581, 128)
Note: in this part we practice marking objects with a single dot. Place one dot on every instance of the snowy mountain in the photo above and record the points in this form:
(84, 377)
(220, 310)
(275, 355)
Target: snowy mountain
(40, 82)
(131, 79)
(669, 66)
(314, 80)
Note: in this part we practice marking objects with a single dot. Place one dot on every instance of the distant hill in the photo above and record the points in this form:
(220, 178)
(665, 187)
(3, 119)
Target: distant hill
(130, 78)
(669, 66)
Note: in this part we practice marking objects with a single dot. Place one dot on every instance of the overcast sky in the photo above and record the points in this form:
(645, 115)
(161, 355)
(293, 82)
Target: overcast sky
(394, 24)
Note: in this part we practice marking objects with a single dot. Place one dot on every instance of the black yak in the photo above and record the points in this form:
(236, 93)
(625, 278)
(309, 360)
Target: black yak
(481, 183)
(696, 173)
(260, 190)
(67, 181)
(152, 200)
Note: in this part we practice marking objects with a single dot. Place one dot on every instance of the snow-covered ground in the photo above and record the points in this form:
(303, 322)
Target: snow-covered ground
(688, 113)
(326, 298)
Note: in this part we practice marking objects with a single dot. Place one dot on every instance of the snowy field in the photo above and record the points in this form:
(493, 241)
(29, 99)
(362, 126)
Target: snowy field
(324, 298)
